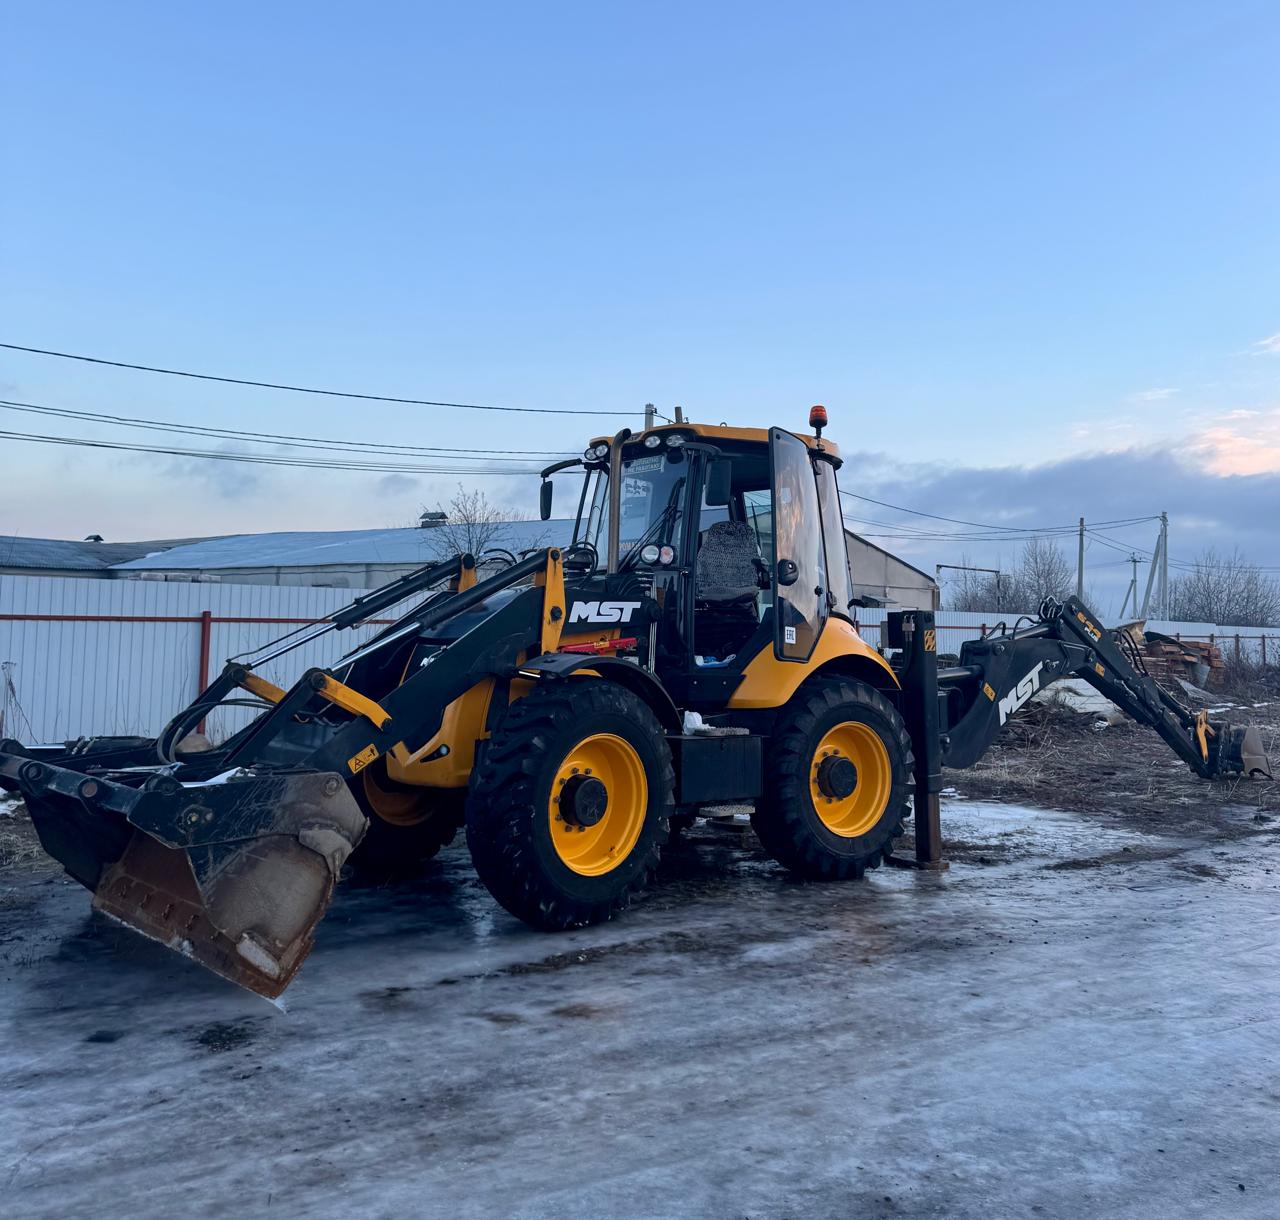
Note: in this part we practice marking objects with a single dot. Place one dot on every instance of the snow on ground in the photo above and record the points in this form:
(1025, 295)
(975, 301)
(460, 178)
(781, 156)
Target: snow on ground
(1085, 1024)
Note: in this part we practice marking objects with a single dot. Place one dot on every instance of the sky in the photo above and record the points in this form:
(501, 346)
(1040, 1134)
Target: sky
(1027, 255)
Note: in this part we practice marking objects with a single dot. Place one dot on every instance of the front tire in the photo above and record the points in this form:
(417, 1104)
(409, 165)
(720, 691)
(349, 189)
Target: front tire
(569, 809)
(838, 777)
(408, 825)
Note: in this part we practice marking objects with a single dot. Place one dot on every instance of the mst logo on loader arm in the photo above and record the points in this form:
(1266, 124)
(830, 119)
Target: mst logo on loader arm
(602, 612)
(1021, 693)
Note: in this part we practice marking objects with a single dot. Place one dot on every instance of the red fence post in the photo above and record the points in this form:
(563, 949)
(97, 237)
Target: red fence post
(202, 679)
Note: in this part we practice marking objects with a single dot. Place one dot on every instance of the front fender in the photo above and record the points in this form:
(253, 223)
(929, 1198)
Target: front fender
(555, 665)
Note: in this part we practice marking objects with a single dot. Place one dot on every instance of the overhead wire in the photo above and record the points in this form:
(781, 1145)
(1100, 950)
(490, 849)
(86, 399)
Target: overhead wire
(276, 438)
(300, 389)
(345, 464)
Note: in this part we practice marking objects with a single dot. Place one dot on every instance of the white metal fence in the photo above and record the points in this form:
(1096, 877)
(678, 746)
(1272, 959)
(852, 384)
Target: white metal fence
(79, 657)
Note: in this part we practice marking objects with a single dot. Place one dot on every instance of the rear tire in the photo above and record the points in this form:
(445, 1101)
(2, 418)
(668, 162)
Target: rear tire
(838, 775)
(425, 821)
(569, 752)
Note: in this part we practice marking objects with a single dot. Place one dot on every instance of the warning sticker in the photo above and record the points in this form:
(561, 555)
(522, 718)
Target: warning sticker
(362, 760)
(642, 465)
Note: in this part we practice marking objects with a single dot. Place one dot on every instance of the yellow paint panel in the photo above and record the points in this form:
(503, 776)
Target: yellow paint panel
(768, 682)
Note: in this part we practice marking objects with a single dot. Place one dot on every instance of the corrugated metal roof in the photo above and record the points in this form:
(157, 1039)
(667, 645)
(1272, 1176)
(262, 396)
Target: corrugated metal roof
(337, 548)
(45, 553)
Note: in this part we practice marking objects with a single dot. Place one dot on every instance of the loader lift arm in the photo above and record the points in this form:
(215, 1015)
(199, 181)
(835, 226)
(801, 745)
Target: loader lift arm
(231, 855)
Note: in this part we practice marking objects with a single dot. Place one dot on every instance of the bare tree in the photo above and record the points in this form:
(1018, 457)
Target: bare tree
(1225, 589)
(471, 523)
(1042, 571)
(982, 591)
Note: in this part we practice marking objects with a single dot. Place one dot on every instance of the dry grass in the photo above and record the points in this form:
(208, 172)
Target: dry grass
(18, 843)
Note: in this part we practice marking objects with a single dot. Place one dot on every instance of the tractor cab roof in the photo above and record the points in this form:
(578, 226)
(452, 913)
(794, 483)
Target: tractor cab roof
(715, 433)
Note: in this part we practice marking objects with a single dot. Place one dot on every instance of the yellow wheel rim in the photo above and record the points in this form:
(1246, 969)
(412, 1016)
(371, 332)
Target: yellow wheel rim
(857, 812)
(599, 848)
(400, 805)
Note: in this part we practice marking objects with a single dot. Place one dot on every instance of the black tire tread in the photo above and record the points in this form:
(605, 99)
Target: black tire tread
(504, 800)
(780, 821)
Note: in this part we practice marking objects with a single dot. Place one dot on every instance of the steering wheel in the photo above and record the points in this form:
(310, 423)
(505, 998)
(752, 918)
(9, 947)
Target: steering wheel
(588, 557)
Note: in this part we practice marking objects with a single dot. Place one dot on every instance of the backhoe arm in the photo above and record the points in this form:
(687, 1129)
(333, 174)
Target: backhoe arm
(999, 674)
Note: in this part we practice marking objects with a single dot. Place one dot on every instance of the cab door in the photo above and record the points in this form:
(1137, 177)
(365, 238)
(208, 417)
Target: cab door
(799, 567)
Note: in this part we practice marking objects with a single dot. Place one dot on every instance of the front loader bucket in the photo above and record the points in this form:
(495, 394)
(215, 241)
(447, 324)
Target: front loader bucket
(1241, 752)
(234, 873)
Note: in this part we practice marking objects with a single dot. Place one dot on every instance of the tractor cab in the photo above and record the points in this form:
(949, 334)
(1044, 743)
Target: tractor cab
(733, 536)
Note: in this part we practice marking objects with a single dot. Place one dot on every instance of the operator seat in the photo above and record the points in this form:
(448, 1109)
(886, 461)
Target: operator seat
(728, 564)
(727, 585)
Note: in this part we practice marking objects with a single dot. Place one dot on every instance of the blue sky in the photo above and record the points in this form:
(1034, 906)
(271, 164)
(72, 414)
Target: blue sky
(989, 237)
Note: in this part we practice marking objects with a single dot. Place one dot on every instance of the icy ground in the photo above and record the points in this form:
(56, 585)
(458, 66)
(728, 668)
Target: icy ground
(1075, 1020)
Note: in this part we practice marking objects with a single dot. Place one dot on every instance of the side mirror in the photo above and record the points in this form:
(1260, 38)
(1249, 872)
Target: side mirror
(788, 571)
(545, 492)
(719, 488)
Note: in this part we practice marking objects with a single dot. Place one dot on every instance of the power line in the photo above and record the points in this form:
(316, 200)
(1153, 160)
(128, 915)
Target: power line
(986, 525)
(298, 389)
(261, 459)
(287, 439)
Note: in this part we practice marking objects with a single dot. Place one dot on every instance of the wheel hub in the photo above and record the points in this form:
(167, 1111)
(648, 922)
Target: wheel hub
(837, 777)
(583, 800)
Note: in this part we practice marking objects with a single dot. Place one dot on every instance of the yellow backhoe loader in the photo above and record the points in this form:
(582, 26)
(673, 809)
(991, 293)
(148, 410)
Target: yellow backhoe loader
(693, 645)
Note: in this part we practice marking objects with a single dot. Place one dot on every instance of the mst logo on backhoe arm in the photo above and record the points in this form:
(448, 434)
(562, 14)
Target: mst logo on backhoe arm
(602, 612)
(1021, 693)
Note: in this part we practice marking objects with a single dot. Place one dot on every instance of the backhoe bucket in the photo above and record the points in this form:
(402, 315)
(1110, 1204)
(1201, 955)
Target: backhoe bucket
(1241, 752)
(234, 872)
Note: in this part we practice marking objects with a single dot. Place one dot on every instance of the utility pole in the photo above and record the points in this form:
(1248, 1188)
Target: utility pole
(648, 416)
(1151, 576)
(1080, 565)
(1164, 565)
(1132, 591)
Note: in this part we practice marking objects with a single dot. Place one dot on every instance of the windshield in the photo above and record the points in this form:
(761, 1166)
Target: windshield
(652, 503)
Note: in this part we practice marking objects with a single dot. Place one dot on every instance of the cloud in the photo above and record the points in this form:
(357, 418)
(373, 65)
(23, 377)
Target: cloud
(1158, 395)
(1270, 346)
(394, 484)
(1240, 443)
(1211, 500)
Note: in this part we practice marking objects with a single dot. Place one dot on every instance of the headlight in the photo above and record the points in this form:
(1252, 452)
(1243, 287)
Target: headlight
(601, 450)
(650, 553)
(652, 441)
(666, 554)
(676, 439)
